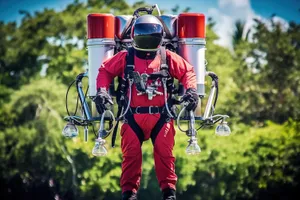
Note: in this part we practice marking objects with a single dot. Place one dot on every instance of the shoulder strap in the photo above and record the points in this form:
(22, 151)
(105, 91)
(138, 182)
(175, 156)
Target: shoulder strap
(164, 67)
(163, 55)
(123, 82)
(129, 62)
(122, 89)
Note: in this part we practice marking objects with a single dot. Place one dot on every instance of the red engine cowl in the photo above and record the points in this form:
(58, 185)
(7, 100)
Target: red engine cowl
(191, 25)
(100, 26)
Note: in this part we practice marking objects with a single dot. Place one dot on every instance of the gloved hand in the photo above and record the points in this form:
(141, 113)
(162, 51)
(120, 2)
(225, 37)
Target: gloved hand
(190, 98)
(101, 99)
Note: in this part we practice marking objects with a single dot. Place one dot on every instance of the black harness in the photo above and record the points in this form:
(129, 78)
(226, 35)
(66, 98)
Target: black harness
(122, 99)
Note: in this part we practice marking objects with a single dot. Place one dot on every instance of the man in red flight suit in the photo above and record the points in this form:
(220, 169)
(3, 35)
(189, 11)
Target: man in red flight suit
(147, 117)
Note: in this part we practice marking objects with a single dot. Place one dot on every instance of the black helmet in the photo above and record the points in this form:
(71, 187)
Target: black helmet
(147, 33)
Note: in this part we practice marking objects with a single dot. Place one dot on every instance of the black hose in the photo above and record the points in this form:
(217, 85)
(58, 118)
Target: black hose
(143, 9)
(215, 78)
(67, 93)
(217, 94)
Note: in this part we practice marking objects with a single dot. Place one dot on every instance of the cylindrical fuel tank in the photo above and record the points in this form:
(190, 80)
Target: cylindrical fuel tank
(100, 44)
(191, 44)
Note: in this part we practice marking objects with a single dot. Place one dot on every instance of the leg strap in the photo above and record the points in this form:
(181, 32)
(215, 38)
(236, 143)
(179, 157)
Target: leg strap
(158, 126)
(135, 127)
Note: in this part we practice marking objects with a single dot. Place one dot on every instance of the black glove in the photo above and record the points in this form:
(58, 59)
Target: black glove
(191, 99)
(101, 99)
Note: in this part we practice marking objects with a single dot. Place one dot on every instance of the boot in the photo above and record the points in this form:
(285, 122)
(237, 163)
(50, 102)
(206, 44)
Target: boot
(129, 195)
(169, 194)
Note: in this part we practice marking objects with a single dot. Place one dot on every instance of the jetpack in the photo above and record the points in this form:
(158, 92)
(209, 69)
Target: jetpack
(107, 35)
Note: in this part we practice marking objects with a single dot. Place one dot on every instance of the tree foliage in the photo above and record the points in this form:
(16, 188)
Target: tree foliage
(269, 73)
(238, 34)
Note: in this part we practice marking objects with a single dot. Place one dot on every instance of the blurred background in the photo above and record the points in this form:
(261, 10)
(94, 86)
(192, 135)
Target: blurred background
(254, 47)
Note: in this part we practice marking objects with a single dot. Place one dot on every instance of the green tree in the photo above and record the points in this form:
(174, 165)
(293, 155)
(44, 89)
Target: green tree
(237, 36)
(269, 71)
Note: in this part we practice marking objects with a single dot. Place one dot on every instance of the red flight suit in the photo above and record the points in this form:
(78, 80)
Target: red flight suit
(164, 142)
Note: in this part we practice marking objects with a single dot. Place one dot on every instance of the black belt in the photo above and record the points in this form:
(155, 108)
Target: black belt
(147, 110)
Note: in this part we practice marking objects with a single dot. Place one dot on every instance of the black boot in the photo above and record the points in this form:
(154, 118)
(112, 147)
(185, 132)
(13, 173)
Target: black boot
(169, 194)
(129, 195)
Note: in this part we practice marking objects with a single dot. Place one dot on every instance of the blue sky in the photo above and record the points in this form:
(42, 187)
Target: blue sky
(286, 9)
(224, 12)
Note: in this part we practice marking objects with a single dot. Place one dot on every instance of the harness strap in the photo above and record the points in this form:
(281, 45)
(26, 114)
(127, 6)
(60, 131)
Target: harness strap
(151, 110)
(147, 110)
(163, 59)
(122, 90)
(158, 126)
(164, 70)
(129, 62)
(163, 117)
(135, 127)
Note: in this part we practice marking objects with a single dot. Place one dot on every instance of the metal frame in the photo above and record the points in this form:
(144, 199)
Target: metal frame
(87, 119)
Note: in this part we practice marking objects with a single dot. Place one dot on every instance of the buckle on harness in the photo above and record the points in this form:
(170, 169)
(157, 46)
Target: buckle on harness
(150, 109)
(137, 110)
(164, 66)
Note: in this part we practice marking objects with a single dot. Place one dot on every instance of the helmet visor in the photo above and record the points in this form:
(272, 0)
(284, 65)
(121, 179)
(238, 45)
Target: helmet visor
(147, 36)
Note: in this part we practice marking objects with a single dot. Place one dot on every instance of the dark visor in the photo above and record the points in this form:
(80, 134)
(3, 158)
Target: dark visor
(148, 36)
